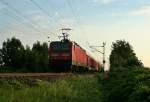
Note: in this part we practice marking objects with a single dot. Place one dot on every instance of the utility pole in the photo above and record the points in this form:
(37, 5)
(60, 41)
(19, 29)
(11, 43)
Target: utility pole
(48, 39)
(102, 52)
(104, 61)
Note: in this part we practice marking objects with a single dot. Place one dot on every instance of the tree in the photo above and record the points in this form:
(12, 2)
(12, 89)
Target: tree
(28, 60)
(1, 59)
(12, 53)
(122, 54)
(40, 53)
(36, 59)
(14, 57)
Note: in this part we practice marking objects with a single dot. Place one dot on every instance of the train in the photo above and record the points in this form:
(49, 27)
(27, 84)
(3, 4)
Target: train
(66, 55)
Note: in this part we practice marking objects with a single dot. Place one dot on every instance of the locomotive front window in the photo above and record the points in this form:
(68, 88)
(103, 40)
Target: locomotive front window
(59, 46)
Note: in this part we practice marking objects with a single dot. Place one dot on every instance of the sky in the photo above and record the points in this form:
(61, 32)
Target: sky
(92, 22)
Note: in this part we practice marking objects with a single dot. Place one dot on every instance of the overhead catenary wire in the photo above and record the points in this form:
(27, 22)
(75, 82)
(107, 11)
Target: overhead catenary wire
(18, 21)
(9, 24)
(72, 10)
(37, 5)
(61, 17)
(102, 52)
(32, 23)
(78, 23)
(44, 11)
(76, 17)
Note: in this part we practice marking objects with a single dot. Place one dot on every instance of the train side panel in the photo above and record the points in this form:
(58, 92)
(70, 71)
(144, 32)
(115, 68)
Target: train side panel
(79, 57)
(92, 64)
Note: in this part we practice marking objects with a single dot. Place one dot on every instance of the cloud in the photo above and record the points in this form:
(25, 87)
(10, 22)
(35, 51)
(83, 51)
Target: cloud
(2, 7)
(105, 1)
(43, 21)
(145, 10)
(142, 11)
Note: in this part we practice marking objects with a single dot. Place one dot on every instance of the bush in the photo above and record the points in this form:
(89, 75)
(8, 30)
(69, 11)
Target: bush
(127, 85)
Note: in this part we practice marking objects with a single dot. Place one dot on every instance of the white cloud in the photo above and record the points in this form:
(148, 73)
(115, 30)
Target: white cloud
(105, 1)
(40, 20)
(142, 11)
(145, 10)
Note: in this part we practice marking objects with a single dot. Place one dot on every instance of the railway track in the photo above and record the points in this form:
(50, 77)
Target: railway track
(41, 75)
(38, 75)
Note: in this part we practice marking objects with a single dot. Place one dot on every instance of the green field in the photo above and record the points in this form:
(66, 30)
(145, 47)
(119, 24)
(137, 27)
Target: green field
(73, 88)
(119, 85)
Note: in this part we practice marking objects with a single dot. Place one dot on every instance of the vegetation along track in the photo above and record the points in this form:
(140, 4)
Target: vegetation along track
(38, 75)
(17, 75)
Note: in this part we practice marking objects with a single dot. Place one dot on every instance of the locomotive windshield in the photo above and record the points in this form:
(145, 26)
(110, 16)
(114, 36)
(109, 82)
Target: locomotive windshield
(59, 46)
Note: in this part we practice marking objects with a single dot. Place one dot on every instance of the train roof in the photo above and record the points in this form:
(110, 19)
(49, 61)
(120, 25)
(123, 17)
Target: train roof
(68, 41)
(78, 45)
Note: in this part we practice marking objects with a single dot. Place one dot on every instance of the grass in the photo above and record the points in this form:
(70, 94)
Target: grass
(118, 85)
(72, 88)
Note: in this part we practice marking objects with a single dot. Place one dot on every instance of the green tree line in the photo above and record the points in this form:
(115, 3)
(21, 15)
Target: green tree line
(14, 57)
(128, 79)
(123, 55)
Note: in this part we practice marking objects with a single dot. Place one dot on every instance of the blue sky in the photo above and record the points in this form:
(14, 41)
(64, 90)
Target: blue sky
(92, 21)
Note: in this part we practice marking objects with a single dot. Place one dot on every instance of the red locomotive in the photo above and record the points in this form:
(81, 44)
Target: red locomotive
(69, 56)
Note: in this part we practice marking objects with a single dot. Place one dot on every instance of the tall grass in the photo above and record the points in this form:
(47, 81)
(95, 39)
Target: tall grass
(69, 89)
